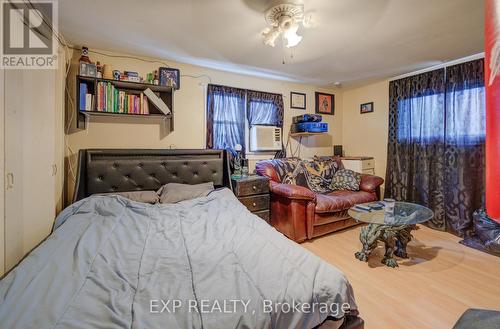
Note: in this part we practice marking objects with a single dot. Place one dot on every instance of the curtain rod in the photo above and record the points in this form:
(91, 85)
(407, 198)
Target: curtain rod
(245, 89)
(440, 66)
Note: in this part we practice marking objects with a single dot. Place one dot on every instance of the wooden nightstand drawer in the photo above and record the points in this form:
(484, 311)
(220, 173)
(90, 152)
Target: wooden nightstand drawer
(256, 202)
(250, 186)
(264, 214)
(368, 164)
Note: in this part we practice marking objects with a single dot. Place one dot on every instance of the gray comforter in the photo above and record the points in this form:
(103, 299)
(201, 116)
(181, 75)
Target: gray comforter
(203, 263)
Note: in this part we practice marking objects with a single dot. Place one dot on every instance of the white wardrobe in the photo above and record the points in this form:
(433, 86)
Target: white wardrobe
(29, 166)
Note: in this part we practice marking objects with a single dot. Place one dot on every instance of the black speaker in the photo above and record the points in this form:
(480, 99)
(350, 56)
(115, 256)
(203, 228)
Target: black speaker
(337, 150)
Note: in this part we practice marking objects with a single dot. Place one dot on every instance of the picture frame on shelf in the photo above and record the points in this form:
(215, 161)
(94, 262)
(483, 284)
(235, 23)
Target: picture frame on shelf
(297, 100)
(170, 77)
(87, 70)
(325, 103)
(366, 108)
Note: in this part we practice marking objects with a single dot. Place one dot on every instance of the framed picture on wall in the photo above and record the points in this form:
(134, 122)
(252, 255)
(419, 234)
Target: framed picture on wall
(366, 108)
(297, 100)
(325, 103)
(170, 77)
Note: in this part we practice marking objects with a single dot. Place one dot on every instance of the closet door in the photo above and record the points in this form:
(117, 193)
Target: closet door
(2, 175)
(29, 157)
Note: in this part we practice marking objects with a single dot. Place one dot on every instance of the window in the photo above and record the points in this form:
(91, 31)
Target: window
(232, 111)
(228, 121)
(420, 119)
(457, 115)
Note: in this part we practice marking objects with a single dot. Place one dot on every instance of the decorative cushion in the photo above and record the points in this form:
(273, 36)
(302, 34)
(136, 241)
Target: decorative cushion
(346, 179)
(284, 167)
(327, 166)
(315, 175)
(175, 192)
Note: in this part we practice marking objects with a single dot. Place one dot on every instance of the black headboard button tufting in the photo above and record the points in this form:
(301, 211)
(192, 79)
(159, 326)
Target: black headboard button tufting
(147, 169)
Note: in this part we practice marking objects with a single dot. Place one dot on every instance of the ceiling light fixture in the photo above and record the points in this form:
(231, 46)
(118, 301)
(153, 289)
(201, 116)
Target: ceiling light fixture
(284, 20)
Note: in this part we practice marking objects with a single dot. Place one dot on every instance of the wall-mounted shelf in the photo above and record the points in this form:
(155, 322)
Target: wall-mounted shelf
(305, 134)
(165, 93)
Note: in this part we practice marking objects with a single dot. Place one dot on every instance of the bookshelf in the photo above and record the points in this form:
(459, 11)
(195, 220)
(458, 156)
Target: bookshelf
(166, 94)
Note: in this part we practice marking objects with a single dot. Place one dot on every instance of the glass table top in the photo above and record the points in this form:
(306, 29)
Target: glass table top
(391, 213)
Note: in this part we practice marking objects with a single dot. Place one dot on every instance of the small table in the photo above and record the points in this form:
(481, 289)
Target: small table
(394, 230)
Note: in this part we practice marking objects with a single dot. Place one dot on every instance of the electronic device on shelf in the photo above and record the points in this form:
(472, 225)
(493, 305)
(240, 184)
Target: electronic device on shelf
(307, 118)
(309, 127)
(337, 150)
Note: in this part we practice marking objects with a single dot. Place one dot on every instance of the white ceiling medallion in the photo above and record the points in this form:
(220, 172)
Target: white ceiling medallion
(285, 20)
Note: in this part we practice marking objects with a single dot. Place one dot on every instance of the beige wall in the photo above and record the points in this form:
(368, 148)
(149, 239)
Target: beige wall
(189, 108)
(366, 134)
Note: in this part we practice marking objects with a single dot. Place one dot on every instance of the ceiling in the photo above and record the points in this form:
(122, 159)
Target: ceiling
(354, 41)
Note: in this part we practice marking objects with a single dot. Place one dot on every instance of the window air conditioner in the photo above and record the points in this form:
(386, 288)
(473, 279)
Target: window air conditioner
(265, 138)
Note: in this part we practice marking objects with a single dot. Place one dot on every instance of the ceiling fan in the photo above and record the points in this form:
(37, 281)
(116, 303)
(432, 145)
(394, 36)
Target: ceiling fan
(285, 20)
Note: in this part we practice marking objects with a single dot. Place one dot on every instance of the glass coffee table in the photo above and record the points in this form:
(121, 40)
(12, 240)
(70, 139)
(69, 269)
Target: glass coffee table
(390, 222)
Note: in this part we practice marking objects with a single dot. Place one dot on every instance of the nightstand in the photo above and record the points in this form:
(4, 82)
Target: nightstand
(253, 192)
(364, 165)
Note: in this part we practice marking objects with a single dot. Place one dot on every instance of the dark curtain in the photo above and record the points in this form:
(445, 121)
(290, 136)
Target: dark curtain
(225, 117)
(264, 108)
(464, 149)
(436, 143)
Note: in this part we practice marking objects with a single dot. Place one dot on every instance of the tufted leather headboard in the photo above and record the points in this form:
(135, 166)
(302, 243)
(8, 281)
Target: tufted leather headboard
(122, 170)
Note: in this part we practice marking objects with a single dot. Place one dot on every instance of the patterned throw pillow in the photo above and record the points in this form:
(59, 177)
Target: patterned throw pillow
(315, 175)
(284, 167)
(346, 179)
(326, 166)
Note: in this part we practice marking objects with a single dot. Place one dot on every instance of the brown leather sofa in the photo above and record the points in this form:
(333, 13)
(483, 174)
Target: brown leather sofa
(302, 214)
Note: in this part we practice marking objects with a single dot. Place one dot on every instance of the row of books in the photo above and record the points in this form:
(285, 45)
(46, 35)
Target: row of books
(110, 99)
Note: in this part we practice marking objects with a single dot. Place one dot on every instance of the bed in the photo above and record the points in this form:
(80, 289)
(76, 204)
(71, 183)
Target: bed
(204, 263)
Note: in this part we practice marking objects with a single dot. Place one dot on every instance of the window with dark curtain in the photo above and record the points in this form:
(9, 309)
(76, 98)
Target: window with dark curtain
(264, 108)
(225, 117)
(226, 110)
(436, 143)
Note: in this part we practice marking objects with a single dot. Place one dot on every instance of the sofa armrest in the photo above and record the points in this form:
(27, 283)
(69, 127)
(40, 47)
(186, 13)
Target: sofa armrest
(370, 183)
(290, 191)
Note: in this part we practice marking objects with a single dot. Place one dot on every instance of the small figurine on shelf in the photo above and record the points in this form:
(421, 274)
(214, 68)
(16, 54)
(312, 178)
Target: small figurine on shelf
(99, 70)
(150, 78)
(85, 55)
(156, 81)
(237, 162)
(116, 74)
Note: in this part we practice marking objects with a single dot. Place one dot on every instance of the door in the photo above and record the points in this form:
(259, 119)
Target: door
(29, 156)
(2, 175)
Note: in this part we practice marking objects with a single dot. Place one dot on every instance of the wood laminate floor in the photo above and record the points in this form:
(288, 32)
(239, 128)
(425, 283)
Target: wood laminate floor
(431, 289)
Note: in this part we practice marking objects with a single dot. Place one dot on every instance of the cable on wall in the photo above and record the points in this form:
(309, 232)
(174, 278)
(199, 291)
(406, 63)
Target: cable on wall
(124, 56)
(197, 76)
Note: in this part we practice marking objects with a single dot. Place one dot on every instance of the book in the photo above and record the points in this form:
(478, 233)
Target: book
(83, 95)
(156, 101)
(88, 102)
(146, 105)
